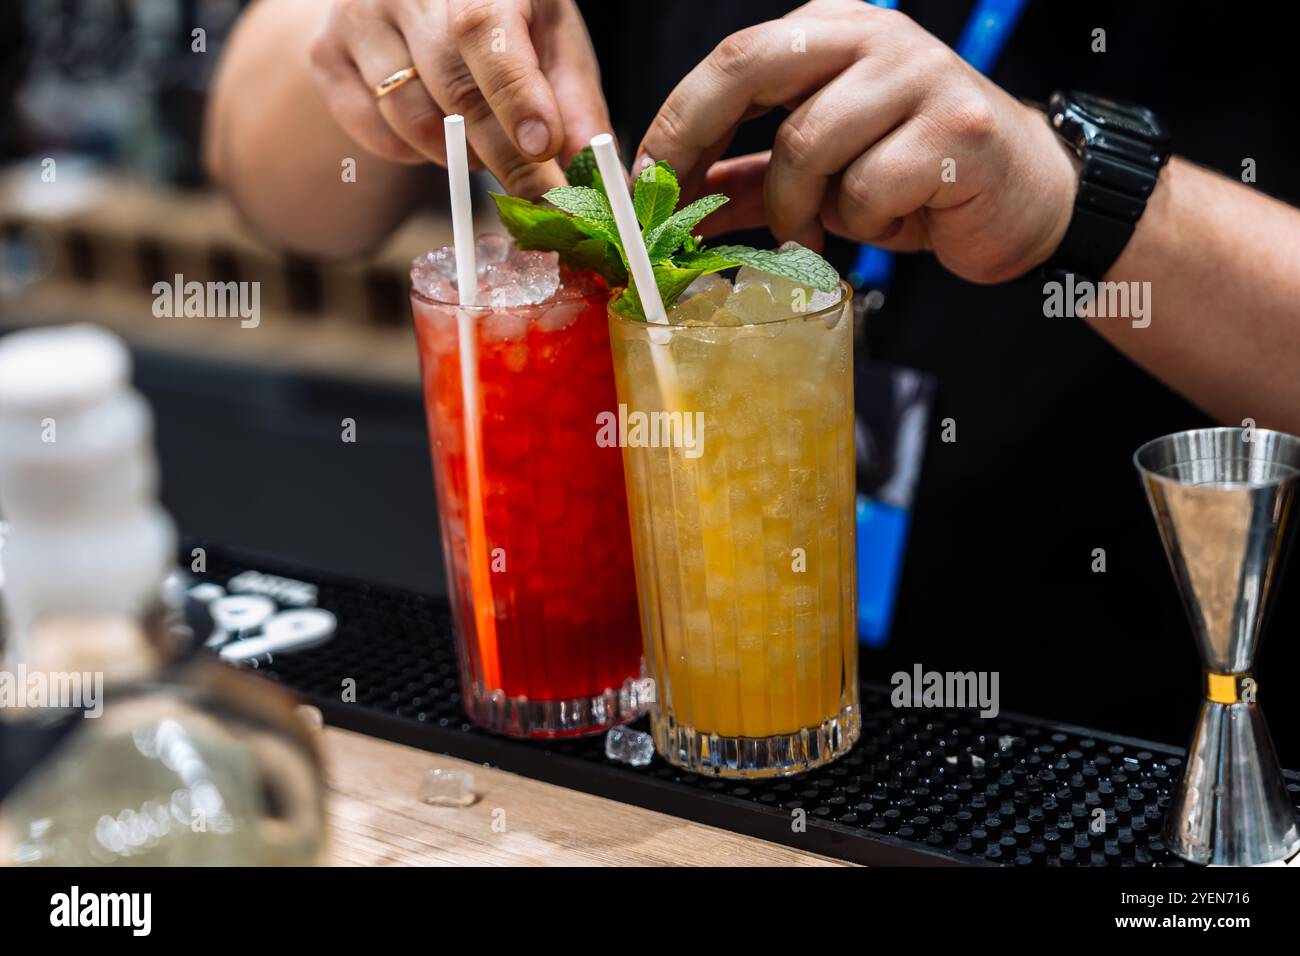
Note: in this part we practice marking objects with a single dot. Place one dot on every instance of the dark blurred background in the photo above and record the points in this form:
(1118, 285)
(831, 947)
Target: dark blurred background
(248, 420)
(998, 572)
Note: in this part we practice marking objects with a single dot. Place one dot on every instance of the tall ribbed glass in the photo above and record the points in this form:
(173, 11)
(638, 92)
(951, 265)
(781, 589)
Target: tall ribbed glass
(738, 453)
(534, 524)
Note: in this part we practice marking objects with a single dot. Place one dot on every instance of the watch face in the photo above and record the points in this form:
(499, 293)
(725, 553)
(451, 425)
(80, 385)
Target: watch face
(1121, 117)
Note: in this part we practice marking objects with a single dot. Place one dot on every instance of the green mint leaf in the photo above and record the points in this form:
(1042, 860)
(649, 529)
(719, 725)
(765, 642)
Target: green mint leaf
(602, 229)
(655, 195)
(582, 170)
(537, 227)
(664, 239)
(581, 243)
(671, 281)
(582, 201)
(799, 265)
(704, 261)
(599, 256)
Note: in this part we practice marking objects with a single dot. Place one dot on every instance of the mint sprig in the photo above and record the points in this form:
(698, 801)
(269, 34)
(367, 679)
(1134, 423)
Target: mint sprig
(579, 225)
(665, 239)
(583, 201)
(655, 195)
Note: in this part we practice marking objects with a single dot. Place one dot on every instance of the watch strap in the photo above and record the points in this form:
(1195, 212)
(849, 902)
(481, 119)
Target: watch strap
(1117, 177)
(1092, 243)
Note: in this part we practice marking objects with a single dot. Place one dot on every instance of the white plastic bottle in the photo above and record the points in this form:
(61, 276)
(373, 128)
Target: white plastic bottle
(171, 758)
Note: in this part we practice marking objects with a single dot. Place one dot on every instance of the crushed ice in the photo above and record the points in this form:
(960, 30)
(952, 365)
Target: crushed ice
(507, 276)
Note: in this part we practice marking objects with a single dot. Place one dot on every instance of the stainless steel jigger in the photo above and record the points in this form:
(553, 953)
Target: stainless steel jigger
(1223, 500)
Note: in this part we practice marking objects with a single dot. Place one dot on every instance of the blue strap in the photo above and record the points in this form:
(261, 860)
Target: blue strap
(987, 31)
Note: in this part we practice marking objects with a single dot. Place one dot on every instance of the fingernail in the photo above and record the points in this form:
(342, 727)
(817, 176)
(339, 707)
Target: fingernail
(532, 137)
(642, 161)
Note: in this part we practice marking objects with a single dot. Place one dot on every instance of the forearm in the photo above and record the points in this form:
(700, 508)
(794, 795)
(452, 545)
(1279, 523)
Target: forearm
(272, 145)
(1223, 263)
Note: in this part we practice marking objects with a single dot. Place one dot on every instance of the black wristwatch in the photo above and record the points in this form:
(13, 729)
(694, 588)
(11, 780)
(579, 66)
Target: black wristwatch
(1122, 147)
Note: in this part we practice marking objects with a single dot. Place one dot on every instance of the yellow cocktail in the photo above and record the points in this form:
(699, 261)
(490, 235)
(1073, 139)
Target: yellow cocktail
(743, 526)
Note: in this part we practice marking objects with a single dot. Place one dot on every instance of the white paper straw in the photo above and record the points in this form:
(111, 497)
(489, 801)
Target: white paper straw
(462, 215)
(611, 171)
(462, 230)
(638, 260)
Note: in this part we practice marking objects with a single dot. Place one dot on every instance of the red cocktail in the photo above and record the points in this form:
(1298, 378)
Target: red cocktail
(535, 535)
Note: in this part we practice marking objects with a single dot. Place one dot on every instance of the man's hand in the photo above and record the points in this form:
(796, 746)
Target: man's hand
(521, 72)
(892, 139)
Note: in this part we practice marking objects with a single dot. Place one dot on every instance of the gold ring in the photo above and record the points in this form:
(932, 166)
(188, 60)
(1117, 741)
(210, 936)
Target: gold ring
(392, 82)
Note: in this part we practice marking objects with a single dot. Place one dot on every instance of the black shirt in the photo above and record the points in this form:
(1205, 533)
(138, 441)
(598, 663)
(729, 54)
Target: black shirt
(998, 574)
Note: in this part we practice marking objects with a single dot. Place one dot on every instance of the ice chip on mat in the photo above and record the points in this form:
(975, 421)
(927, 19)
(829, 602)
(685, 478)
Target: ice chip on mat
(448, 788)
(633, 747)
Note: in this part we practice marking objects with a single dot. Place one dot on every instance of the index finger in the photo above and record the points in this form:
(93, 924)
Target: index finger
(495, 42)
(569, 62)
(768, 65)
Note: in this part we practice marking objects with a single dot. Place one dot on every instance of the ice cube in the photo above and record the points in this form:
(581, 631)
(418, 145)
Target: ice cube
(753, 303)
(448, 788)
(748, 277)
(439, 263)
(692, 352)
(697, 310)
(714, 286)
(792, 297)
(789, 296)
(633, 747)
(560, 316)
(539, 274)
(524, 278)
(433, 275)
(491, 248)
(823, 300)
(508, 276)
(503, 327)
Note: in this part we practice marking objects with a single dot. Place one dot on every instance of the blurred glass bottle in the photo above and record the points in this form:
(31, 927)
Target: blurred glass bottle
(187, 762)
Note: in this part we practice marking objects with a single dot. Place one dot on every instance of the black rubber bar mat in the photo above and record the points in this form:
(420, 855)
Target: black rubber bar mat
(930, 787)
